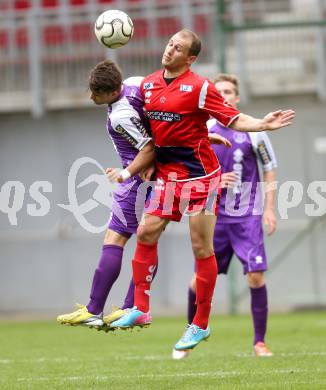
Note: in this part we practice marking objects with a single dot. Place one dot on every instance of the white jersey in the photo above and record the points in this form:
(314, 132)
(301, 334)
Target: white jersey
(263, 149)
(127, 125)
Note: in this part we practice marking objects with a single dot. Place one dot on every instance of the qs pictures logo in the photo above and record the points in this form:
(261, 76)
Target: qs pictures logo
(12, 196)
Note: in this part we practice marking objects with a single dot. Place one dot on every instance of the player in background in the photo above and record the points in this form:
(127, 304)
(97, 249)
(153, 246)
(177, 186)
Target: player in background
(128, 130)
(241, 232)
(178, 103)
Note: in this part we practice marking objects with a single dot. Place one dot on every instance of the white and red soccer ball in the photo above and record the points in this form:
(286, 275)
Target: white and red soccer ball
(113, 28)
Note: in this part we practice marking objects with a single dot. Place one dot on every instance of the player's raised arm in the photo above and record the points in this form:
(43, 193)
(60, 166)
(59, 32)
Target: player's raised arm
(212, 102)
(272, 121)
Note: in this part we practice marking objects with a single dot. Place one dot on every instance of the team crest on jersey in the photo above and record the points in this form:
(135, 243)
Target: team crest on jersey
(163, 99)
(148, 94)
(259, 260)
(238, 155)
(185, 88)
(159, 185)
(239, 138)
(148, 85)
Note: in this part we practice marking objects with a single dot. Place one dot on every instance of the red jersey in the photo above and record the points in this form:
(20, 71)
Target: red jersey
(178, 113)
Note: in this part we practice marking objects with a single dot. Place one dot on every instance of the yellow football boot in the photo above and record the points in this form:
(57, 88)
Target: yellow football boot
(81, 317)
(115, 314)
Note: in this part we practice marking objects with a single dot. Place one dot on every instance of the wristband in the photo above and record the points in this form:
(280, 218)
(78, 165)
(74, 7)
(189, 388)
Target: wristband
(125, 174)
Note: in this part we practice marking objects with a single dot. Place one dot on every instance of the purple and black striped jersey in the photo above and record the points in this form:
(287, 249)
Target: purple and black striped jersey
(245, 199)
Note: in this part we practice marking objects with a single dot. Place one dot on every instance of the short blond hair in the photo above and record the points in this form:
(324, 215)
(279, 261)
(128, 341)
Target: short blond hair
(228, 77)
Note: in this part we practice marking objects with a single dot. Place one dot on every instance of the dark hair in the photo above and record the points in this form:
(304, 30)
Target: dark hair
(106, 77)
(195, 46)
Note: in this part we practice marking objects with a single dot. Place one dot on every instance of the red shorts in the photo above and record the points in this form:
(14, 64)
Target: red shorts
(172, 200)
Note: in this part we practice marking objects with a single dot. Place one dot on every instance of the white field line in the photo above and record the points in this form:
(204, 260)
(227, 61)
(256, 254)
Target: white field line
(285, 354)
(285, 382)
(214, 374)
(41, 360)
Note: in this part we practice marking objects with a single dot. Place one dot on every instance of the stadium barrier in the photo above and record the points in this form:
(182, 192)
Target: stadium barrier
(46, 52)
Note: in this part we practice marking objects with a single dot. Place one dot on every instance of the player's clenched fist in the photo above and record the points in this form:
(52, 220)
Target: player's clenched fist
(116, 175)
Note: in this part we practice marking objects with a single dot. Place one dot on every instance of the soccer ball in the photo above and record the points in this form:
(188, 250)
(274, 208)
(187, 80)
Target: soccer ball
(113, 28)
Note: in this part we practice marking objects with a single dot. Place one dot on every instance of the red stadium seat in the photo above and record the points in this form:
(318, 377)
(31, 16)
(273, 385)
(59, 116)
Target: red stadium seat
(4, 38)
(77, 2)
(50, 3)
(21, 37)
(110, 1)
(4, 5)
(22, 4)
(167, 26)
(201, 24)
(53, 35)
(82, 32)
(141, 28)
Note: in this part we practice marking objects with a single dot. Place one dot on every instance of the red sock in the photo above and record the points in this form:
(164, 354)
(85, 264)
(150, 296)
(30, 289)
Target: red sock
(205, 283)
(143, 266)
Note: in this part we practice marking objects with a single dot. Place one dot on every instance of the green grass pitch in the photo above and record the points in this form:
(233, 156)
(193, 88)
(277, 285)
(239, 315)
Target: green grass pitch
(44, 355)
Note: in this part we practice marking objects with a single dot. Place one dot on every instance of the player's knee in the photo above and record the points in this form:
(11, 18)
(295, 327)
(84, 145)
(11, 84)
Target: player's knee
(114, 238)
(146, 234)
(201, 250)
(143, 233)
(255, 279)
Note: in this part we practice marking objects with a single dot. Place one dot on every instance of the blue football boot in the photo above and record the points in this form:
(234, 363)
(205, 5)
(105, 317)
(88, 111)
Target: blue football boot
(191, 337)
(133, 317)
